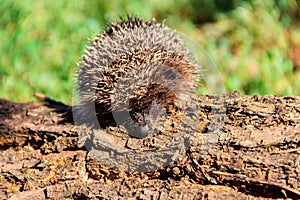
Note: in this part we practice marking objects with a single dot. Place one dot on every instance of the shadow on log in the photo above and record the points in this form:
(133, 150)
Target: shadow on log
(256, 155)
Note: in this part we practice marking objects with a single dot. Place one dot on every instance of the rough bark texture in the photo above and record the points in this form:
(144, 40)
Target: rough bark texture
(255, 155)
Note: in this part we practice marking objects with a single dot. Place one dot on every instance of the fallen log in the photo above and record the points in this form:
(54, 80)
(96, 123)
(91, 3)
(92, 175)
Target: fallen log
(246, 147)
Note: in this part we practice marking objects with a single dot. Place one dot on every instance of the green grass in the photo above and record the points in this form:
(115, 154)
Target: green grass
(249, 41)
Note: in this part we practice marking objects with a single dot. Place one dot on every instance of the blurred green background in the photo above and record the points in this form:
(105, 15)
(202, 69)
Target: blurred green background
(255, 44)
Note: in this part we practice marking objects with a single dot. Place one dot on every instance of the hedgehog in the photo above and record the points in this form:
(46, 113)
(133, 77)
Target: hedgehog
(135, 74)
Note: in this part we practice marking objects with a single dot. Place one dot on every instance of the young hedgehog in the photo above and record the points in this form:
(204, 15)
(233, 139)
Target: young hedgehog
(136, 74)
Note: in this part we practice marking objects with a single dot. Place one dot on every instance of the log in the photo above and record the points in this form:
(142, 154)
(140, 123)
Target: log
(247, 147)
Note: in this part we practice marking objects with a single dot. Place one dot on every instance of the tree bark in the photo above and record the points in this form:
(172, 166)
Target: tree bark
(246, 147)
